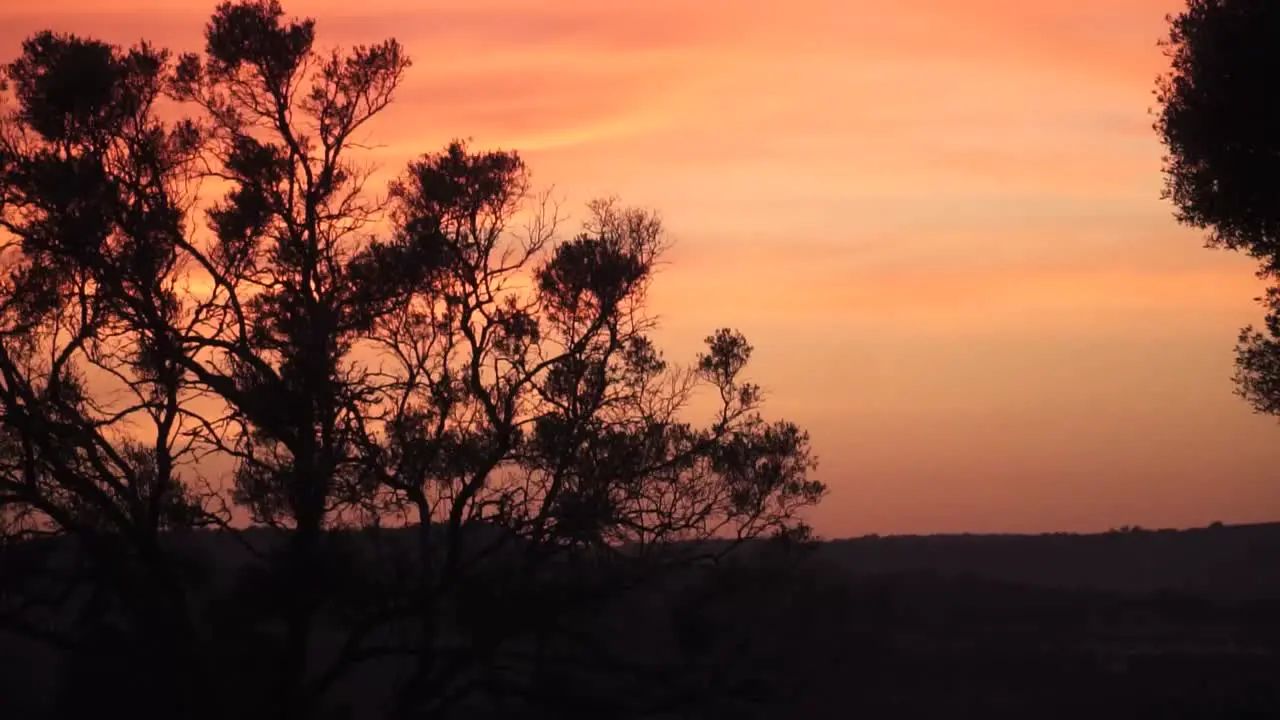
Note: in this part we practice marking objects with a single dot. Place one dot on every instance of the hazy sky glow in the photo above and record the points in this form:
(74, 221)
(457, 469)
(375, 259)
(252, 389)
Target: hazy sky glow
(937, 220)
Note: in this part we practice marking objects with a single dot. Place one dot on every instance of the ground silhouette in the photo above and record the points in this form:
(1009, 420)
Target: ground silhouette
(1112, 625)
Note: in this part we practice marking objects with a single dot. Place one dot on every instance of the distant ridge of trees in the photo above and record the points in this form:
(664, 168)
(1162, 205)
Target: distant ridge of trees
(1229, 562)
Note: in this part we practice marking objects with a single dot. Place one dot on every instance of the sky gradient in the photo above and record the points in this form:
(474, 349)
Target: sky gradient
(938, 221)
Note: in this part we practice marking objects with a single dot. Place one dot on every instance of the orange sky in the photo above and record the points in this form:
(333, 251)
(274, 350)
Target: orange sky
(938, 221)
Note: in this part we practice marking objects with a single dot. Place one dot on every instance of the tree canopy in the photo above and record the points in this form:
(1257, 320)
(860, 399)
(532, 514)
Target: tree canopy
(1219, 120)
(448, 420)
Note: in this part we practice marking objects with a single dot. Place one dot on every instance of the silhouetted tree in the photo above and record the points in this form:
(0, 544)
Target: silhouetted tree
(437, 359)
(1218, 119)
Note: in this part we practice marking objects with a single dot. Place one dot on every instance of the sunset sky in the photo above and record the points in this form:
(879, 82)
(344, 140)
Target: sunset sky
(938, 221)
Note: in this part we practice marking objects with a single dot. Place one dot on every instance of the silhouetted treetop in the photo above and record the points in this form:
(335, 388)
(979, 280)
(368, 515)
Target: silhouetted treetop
(1220, 122)
(256, 34)
(1219, 116)
(81, 91)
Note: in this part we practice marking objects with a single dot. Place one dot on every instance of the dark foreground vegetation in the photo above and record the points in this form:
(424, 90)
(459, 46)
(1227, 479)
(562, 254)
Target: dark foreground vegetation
(1180, 624)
